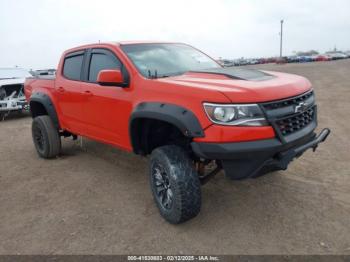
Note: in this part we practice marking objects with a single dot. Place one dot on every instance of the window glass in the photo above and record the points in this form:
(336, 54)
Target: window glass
(167, 59)
(100, 61)
(72, 67)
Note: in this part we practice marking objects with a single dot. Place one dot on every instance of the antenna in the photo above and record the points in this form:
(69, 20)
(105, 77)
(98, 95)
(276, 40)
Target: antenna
(281, 35)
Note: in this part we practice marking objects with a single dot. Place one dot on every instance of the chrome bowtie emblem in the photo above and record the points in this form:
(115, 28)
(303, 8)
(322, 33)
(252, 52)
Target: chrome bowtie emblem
(301, 107)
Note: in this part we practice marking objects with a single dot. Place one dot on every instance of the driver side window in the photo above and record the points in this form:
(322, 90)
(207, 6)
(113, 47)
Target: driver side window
(101, 61)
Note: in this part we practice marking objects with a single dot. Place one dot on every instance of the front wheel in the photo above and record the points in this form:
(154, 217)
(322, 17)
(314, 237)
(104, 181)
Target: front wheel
(175, 184)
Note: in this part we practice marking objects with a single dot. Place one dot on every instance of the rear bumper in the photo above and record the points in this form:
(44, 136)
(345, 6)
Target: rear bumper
(250, 159)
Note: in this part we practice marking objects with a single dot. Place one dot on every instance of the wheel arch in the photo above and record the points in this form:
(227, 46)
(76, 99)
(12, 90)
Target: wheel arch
(177, 116)
(41, 104)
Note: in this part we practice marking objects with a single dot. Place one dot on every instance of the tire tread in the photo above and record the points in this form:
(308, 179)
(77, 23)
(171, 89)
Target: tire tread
(187, 183)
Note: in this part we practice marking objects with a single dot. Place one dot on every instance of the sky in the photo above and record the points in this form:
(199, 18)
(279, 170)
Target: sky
(34, 33)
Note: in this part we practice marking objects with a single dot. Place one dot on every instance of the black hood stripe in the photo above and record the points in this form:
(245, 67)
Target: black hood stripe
(238, 73)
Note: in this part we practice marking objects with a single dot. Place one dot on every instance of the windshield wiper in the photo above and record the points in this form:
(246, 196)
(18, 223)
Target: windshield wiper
(154, 75)
(163, 76)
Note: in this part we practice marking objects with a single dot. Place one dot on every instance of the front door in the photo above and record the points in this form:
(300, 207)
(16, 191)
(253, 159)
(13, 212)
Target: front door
(107, 108)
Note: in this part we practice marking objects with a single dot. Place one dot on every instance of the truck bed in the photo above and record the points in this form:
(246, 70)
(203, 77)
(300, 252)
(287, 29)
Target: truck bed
(41, 82)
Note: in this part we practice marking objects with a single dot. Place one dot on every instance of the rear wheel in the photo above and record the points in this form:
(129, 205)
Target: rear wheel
(45, 137)
(175, 184)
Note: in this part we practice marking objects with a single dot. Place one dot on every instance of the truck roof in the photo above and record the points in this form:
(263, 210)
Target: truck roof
(119, 43)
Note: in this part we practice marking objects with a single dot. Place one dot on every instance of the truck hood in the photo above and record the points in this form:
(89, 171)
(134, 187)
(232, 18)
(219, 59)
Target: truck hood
(244, 85)
(11, 81)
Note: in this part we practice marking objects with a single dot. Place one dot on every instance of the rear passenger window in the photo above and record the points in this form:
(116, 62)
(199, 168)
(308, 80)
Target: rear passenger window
(102, 61)
(72, 67)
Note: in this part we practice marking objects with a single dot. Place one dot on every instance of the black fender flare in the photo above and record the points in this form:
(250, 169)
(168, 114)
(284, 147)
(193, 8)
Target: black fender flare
(185, 120)
(45, 100)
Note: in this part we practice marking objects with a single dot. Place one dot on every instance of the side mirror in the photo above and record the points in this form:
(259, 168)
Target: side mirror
(111, 77)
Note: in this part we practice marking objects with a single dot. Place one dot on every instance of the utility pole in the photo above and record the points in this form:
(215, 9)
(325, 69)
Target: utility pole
(281, 37)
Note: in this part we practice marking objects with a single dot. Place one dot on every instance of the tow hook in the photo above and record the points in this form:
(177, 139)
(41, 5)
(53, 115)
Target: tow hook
(314, 143)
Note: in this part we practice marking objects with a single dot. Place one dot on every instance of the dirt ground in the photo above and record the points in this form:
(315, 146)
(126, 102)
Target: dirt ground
(96, 199)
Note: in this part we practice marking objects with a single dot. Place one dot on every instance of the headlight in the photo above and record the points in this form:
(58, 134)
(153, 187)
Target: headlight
(235, 115)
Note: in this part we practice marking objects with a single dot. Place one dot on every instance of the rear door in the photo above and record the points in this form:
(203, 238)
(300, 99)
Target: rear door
(69, 92)
(108, 108)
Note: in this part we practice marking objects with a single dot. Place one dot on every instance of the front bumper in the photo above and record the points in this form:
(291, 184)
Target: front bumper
(251, 159)
(14, 104)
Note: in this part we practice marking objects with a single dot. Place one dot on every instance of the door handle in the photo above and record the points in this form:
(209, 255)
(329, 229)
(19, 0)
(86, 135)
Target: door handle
(88, 93)
(61, 89)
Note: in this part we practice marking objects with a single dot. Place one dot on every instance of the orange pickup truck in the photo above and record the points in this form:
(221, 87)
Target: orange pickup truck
(178, 105)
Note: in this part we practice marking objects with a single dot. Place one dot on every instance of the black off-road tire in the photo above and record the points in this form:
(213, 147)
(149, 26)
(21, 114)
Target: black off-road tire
(183, 182)
(46, 137)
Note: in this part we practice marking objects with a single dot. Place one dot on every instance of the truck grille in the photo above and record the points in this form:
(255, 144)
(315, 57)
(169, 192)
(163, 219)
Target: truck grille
(284, 115)
(296, 122)
(288, 102)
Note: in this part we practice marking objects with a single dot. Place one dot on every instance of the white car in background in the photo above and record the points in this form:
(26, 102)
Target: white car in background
(11, 90)
(337, 55)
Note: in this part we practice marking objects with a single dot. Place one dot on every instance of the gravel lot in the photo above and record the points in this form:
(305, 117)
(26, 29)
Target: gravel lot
(96, 199)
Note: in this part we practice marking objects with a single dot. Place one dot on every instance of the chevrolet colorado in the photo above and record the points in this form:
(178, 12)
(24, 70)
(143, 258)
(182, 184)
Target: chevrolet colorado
(178, 105)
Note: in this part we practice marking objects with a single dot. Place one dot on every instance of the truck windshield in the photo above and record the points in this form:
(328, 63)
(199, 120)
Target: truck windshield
(163, 60)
